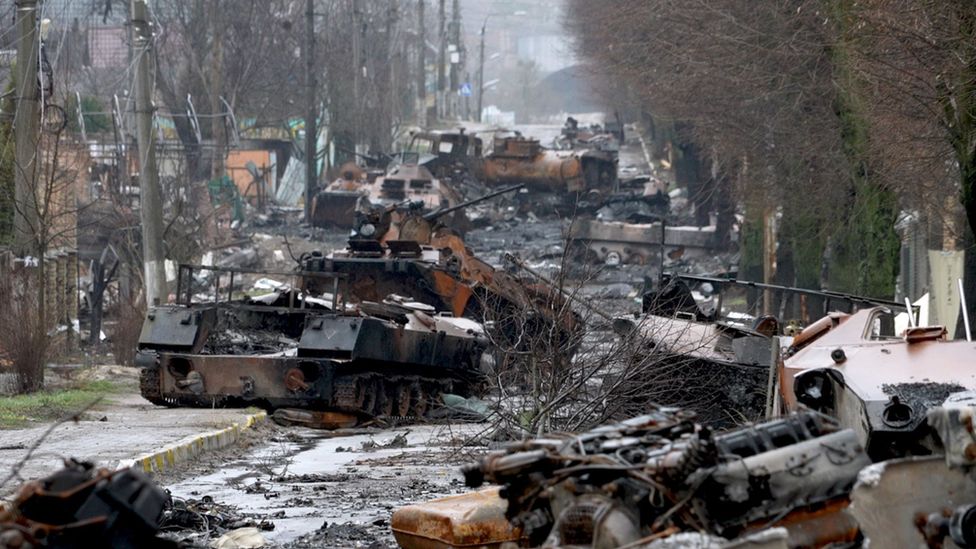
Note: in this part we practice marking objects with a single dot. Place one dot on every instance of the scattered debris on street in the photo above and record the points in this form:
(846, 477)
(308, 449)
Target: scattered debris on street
(466, 274)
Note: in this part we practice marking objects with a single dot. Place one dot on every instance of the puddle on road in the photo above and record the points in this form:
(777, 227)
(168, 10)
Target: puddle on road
(322, 484)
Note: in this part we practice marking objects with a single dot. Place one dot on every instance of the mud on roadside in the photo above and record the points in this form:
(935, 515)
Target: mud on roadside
(305, 488)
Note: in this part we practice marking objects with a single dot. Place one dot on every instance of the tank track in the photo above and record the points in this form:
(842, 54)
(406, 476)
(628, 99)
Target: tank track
(149, 385)
(394, 397)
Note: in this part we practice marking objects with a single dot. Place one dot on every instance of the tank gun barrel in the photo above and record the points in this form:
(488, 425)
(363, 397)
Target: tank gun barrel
(432, 216)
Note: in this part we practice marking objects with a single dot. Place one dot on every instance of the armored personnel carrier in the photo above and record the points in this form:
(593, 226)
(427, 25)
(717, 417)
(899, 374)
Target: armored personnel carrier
(294, 349)
(337, 204)
(401, 250)
(879, 383)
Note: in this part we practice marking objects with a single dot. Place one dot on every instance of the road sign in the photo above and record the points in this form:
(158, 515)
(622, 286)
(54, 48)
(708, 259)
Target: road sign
(465, 90)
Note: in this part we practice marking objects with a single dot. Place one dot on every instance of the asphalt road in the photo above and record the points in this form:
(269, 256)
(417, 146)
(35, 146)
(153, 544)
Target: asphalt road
(322, 488)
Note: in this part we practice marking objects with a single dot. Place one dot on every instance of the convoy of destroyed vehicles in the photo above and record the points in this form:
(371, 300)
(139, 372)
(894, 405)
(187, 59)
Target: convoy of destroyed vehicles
(855, 434)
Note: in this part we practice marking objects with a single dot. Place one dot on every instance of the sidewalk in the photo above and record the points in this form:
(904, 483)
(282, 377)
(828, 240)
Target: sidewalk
(132, 427)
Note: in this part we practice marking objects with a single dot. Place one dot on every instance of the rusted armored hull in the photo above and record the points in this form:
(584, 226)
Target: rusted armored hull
(335, 208)
(359, 389)
(516, 160)
(875, 382)
(296, 353)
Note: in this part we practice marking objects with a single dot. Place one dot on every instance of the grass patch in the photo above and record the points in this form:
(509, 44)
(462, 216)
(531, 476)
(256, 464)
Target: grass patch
(22, 410)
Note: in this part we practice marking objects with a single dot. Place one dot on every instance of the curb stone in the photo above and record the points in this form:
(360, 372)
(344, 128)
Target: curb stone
(171, 455)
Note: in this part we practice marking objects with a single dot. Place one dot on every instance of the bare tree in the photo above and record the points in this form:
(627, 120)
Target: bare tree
(38, 299)
(916, 62)
(751, 91)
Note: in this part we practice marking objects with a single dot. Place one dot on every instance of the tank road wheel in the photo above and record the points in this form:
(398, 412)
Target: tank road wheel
(418, 400)
(370, 399)
(402, 408)
(345, 394)
(386, 393)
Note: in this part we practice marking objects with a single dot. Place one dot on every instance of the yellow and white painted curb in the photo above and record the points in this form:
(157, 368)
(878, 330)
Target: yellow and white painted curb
(171, 455)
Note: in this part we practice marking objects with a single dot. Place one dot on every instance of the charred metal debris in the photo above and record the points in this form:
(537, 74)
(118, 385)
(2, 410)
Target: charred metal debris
(875, 446)
(83, 507)
(662, 473)
(662, 480)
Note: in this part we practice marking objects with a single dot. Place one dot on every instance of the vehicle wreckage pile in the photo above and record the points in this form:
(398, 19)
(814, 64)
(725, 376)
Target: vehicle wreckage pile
(341, 343)
(406, 313)
(663, 481)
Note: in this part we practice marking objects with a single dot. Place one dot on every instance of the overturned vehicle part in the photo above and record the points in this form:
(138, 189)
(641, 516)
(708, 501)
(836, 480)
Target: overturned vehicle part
(290, 350)
(717, 368)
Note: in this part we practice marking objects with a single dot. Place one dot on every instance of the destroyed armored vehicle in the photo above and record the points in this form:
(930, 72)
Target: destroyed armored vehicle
(294, 349)
(717, 360)
(622, 242)
(519, 160)
(448, 155)
(719, 367)
(855, 368)
(661, 475)
(605, 138)
(412, 183)
(336, 205)
(399, 250)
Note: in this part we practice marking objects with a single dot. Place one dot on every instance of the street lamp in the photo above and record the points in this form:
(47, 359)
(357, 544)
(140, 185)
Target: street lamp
(481, 67)
(481, 58)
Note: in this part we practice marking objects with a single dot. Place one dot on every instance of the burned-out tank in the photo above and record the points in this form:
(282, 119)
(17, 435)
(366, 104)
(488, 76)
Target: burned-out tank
(295, 348)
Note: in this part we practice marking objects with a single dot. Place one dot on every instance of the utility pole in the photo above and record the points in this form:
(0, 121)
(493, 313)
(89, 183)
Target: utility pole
(441, 56)
(26, 127)
(455, 67)
(391, 109)
(421, 66)
(456, 40)
(467, 100)
(311, 113)
(356, 132)
(481, 68)
(150, 195)
(217, 123)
